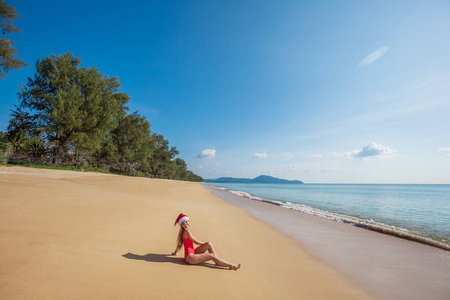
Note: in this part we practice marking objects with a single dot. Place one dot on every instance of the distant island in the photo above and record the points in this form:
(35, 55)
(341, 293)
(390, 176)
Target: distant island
(259, 179)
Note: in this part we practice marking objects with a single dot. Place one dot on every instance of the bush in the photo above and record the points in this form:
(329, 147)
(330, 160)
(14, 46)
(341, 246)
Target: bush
(6, 147)
(17, 161)
(90, 168)
(3, 158)
(5, 150)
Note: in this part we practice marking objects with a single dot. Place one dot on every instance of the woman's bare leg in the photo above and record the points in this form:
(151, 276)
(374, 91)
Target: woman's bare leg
(208, 246)
(195, 259)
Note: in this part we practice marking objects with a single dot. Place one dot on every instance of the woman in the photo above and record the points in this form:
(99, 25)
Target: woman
(196, 256)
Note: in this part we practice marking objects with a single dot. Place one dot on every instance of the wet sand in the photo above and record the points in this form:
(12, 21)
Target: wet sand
(386, 266)
(74, 235)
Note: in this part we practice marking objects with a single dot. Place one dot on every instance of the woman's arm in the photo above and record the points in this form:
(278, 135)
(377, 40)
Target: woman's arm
(192, 238)
(176, 250)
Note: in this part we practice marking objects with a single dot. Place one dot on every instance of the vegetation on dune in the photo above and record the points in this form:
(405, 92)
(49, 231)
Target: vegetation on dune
(76, 117)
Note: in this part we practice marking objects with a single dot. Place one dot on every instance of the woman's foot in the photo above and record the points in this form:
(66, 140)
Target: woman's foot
(235, 267)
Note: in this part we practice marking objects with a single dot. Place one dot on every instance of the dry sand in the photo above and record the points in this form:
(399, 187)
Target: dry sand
(72, 235)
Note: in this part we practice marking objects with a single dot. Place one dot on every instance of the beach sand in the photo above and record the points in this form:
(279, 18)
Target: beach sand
(74, 235)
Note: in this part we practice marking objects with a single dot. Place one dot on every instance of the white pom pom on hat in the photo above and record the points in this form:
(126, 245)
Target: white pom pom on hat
(181, 218)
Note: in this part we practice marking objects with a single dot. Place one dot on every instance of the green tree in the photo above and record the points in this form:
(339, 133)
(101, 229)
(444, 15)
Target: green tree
(129, 145)
(18, 141)
(20, 128)
(183, 173)
(20, 123)
(194, 177)
(161, 163)
(181, 170)
(35, 149)
(6, 148)
(74, 107)
(8, 58)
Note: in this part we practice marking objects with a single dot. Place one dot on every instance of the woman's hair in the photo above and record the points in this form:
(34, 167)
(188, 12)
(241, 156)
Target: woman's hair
(180, 238)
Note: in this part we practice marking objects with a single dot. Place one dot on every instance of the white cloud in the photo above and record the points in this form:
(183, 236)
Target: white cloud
(200, 167)
(207, 153)
(377, 54)
(371, 149)
(259, 155)
(316, 155)
(289, 156)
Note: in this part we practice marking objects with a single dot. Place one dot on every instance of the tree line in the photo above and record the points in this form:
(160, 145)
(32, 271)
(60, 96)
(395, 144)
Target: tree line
(75, 116)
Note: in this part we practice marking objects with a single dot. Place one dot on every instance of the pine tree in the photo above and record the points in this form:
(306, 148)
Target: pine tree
(129, 145)
(161, 163)
(73, 107)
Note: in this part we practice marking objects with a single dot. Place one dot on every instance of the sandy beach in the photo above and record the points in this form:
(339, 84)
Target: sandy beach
(74, 235)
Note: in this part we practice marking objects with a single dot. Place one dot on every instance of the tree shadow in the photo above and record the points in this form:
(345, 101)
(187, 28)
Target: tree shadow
(165, 258)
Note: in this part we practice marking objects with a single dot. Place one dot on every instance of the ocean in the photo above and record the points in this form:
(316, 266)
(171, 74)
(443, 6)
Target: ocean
(414, 211)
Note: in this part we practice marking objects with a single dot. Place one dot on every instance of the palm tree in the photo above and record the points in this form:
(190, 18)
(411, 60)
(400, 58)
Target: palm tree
(36, 148)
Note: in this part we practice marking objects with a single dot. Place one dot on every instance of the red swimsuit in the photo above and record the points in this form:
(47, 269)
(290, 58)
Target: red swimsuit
(188, 247)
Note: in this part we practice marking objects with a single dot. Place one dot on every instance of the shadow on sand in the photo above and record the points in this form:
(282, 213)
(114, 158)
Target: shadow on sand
(165, 258)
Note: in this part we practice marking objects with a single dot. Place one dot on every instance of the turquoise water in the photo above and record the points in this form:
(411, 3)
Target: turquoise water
(422, 210)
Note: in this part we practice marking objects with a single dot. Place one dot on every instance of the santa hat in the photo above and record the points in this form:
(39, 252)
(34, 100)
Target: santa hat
(181, 218)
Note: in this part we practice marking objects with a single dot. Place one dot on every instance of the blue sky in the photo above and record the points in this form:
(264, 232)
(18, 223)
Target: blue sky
(320, 91)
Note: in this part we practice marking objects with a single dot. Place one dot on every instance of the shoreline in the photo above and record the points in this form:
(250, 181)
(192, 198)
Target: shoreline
(346, 219)
(383, 265)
